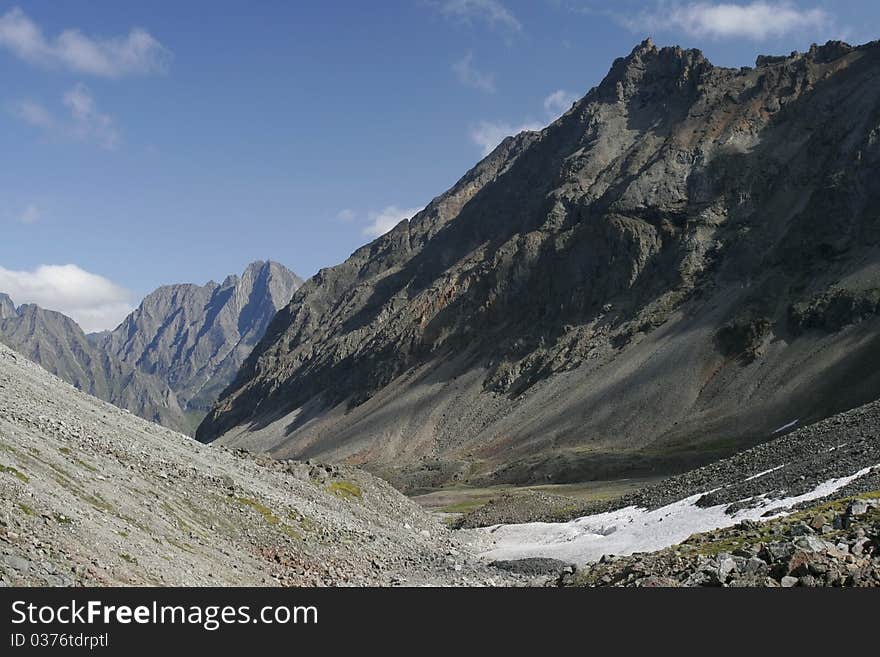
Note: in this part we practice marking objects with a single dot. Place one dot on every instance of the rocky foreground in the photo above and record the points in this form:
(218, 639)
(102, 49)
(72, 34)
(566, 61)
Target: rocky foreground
(92, 495)
(834, 544)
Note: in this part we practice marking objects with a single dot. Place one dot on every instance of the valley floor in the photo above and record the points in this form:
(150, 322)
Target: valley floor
(91, 495)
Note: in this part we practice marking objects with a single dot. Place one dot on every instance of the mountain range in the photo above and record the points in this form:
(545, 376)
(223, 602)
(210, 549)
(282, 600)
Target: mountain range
(684, 264)
(170, 358)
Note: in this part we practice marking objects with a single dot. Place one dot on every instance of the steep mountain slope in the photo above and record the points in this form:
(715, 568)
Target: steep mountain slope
(7, 307)
(59, 344)
(90, 495)
(195, 338)
(683, 263)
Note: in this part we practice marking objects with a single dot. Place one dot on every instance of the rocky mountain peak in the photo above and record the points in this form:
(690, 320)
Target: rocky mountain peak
(608, 283)
(651, 69)
(195, 337)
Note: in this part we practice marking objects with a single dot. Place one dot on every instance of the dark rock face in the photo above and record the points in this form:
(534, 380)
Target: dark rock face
(170, 359)
(195, 338)
(615, 289)
(58, 344)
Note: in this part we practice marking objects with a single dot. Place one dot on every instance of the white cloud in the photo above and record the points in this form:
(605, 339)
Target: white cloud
(387, 218)
(559, 102)
(94, 302)
(471, 77)
(33, 114)
(89, 123)
(30, 215)
(491, 11)
(758, 20)
(85, 122)
(488, 134)
(138, 53)
(347, 215)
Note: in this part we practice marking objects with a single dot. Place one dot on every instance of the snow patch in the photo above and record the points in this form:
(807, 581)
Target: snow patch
(787, 426)
(765, 472)
(635, 529)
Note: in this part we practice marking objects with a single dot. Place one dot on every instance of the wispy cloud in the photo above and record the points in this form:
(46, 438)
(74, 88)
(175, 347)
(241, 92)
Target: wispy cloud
(30, 215)
(492, 12)
(94, 302)
(347, 215)
(559, 102)
(84, 121)
(137, 53)
(756, 21)
(470, 76)
(488, 134)
(387, 218)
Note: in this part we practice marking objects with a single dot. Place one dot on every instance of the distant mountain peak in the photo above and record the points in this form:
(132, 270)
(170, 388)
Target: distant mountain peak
(170, 358)
(196, 337)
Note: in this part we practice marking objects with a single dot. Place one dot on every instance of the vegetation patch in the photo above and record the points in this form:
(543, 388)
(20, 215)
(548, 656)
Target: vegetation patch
(345, 489)
(128, 558)
(264, 511)
(270, 517)
(465, 506)
(8, 469)
(28, 511)
(85, 465)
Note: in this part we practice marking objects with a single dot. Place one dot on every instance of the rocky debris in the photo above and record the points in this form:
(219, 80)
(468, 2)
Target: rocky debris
(665, 275)
(834, 309)
(540, 571)
(92, 495)
(529, 506)
(790, 465)
(787, 552)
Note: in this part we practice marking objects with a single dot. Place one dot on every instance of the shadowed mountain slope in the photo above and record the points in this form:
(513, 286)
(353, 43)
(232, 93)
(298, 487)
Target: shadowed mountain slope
(684, 262)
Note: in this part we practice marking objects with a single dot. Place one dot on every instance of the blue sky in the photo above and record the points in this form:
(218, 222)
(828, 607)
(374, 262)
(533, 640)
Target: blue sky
(150, 143)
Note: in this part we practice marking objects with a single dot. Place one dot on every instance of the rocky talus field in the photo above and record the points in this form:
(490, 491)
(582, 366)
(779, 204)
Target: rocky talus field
(92, 495)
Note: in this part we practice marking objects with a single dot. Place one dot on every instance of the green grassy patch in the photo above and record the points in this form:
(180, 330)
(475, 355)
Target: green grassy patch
(264, 511)
(8, 469)
(28, 511)
(128, 558)
(271, 518)
(465, 506)
(345, 489)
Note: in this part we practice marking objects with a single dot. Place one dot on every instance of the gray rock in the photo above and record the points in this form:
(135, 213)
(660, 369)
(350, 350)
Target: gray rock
(857, 508)
(535, 566)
